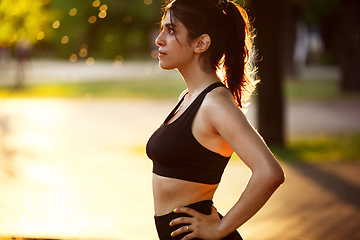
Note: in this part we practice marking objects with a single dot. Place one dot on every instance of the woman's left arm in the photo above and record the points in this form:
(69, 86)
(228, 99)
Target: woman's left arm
(267, 175)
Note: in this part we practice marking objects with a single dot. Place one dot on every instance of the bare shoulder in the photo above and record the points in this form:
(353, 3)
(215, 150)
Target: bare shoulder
(220, 100)
(220, 111)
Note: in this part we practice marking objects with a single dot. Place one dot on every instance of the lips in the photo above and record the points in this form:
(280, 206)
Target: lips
(161, 54)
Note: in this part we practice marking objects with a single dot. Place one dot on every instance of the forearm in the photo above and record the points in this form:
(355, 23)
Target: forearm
(256, 194)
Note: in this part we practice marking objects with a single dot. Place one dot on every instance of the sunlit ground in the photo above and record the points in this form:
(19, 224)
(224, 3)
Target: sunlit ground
(70, 169)
(75, 167)
(70, 175)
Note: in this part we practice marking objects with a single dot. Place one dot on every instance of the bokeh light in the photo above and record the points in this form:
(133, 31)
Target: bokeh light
(103, 8)
(40, 35)
(148, 2)
(64, 39)
(154, 53)
(92, 19)
(118, 61)
(102, 14)
(85, 46)
(127, 19)
(13, 37)
(56, 24)
(96, 3)
(83, 52)
(90, 61)
(73, 57)
(73, 12)
(109, 38)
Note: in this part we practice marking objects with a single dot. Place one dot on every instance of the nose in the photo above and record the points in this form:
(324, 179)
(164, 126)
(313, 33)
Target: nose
(159, 41)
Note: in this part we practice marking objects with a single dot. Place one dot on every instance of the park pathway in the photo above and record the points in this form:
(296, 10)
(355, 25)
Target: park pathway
(76, 169)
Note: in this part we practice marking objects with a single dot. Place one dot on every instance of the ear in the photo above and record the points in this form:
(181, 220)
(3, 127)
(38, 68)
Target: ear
(202, 44)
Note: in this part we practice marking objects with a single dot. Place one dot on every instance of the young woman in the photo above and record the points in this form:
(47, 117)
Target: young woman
(208, 42)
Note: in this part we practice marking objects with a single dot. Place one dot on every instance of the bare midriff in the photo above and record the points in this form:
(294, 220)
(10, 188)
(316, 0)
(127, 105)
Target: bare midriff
(170, 193)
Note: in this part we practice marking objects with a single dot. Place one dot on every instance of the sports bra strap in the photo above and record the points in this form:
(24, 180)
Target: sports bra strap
(195, 104)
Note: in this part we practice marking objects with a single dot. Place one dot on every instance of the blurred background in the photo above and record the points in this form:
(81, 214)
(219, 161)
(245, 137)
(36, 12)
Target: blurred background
(81, 92)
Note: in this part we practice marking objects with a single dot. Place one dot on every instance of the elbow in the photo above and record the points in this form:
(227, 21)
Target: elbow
(273, 178)
(280, 178)
(276, 178)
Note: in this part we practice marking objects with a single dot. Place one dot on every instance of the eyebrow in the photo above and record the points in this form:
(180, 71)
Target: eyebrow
(169, 25)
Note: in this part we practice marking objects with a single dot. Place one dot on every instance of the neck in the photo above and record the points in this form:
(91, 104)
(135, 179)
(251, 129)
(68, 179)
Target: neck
(196, 78)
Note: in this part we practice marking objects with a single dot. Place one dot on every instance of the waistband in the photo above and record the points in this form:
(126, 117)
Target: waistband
(162, 222)
(201, 206)
(164, 229)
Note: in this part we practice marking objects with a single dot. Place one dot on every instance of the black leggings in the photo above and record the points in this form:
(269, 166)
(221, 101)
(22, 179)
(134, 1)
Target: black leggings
(164, 229)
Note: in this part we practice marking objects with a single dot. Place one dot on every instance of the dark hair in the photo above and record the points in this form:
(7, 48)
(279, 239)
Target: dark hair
(229, 28)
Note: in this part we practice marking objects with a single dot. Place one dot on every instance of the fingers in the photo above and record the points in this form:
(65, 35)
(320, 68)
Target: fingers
(184, 220)
(188, 211)
(181, 230)
(181, 220)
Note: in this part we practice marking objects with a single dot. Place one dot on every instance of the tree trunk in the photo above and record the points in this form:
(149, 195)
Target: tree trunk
(291, 18)
(268, 22)
(350, 45)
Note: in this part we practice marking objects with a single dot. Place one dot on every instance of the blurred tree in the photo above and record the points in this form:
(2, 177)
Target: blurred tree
(304, 15)
(269, 16)
(349, 53)
(313, 11)
(107, 28)
(275, 22)
(22, 24)
(23, 19)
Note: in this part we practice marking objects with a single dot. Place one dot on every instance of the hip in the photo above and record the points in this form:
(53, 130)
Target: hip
(164, 229)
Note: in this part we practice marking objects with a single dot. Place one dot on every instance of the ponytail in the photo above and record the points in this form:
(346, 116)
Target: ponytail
(229, 53)
(236, 67)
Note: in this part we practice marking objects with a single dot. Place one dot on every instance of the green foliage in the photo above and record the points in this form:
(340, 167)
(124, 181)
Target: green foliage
(23, 19)
(314, 10)
(124, 30)
(312, 89)
(323, 147)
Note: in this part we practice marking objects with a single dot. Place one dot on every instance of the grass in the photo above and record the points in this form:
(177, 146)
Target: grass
(315, 90)
(320, 148)
(135, 88)
(153, 88)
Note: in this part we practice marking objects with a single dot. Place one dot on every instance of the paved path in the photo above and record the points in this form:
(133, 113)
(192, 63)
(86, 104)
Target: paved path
(49, 70)
(76, 169)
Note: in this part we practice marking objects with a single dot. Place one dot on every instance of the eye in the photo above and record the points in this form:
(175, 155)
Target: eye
(171, 31)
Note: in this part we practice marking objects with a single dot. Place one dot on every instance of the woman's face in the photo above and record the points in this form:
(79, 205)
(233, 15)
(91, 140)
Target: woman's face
(174, 52)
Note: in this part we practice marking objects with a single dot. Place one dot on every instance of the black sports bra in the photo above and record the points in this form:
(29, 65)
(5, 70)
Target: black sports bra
(177, 154)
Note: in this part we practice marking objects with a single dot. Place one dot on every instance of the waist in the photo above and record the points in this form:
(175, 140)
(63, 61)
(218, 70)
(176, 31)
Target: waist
(170, 193)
